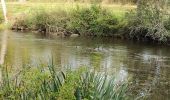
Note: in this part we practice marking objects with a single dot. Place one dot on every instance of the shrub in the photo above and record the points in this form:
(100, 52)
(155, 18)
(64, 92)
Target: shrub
(43, 20)
(146, 31)
(93, 21)
(146, 23)
(83, 21)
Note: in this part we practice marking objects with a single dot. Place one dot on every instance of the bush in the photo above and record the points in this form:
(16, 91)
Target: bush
(43, 20)
(147, 22)
(147, 27)
(85, 21)
(93, 21)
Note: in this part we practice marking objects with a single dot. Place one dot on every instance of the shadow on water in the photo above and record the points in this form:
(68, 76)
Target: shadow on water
(146, 65)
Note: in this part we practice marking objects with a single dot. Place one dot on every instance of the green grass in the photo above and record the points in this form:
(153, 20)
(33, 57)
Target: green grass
(15, 7)
(90, 20)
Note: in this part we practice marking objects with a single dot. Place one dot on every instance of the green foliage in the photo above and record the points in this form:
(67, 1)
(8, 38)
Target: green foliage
(98, 86)
(93, 21)
(67, 91)
(32, 83)
(146, 23)
(84, 21)
(167, 23)
(43, 20)
(46, 83)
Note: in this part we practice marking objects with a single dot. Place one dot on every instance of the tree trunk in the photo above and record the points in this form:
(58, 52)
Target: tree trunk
(4, 10)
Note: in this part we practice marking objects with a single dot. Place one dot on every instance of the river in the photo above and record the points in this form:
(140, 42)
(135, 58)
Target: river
(145, 65)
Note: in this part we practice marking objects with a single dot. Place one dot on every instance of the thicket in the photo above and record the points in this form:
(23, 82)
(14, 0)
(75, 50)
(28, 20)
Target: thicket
(83, 21)
(94, 21)
(150, 21)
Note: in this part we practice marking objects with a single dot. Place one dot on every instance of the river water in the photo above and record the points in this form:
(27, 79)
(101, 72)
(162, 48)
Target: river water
(145, 65)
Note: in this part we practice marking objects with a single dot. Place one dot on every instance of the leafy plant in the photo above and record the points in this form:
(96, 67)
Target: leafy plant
(46, 83)
(93, 21)
(146, 23)
(97, 86)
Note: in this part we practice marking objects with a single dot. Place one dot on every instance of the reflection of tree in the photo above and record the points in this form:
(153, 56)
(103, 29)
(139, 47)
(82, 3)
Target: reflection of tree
(3, 51)
(148, 83)
(3, 48)
(4, 10)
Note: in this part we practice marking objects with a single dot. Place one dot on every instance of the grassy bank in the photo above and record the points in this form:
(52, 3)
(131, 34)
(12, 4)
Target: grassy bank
(64, 19)
(46, 83)
(90, 20)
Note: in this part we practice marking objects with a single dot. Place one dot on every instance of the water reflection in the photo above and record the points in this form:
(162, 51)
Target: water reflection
(3, 51)
(3, 47)
(146, 65)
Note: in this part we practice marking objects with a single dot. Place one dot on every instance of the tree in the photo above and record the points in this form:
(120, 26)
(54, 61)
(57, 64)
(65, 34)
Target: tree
(149, 19)
(4, 10)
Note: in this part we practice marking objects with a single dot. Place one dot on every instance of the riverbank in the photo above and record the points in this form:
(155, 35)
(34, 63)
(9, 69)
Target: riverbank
(89, 20)
(19, 10)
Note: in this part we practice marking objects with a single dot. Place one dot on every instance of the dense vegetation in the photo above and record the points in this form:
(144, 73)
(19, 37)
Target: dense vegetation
(83, 21)
(146, 23)
(46, 83)
(150, 21)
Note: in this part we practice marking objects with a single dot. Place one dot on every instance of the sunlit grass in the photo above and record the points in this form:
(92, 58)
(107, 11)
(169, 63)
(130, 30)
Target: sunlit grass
(14, 8)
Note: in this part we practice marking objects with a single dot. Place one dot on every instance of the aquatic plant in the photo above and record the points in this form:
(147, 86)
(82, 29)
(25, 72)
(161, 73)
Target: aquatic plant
(98, 86)
(46, 83)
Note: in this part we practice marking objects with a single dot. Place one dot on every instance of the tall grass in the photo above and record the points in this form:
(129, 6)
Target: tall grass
(46, 83)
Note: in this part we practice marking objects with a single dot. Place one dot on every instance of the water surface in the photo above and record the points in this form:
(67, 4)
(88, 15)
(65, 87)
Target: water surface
(145, 65)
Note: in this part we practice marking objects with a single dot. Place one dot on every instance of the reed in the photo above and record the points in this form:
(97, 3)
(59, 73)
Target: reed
(46, 83)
